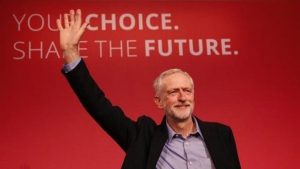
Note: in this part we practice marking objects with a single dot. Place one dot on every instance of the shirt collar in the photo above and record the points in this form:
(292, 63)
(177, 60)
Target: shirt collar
(172, 134)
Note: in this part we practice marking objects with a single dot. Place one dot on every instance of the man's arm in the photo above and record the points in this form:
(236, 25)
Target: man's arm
(110, 118)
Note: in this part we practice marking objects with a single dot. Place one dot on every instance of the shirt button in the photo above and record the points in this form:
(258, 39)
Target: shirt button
(190, 163)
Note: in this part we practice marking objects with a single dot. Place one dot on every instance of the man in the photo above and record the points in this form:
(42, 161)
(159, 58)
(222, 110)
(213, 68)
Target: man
(181, 141)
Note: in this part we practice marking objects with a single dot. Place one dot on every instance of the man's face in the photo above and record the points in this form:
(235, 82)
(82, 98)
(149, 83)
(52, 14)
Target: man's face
(176, 97)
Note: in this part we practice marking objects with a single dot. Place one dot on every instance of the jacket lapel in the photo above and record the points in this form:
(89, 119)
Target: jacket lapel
(211, 140)
(159, 138)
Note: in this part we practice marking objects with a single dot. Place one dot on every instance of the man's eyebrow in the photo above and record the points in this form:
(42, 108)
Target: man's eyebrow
(178, 88)
(173, 89)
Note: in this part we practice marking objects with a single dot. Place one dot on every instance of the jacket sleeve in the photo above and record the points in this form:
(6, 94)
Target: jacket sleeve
(233, 149)
(110, 118)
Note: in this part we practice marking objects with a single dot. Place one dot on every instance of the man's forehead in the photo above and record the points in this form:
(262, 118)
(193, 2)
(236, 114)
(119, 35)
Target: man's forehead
(177, 80)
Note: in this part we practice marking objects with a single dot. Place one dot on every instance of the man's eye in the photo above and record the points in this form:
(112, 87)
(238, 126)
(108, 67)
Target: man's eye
(173, 92)
(188, 91)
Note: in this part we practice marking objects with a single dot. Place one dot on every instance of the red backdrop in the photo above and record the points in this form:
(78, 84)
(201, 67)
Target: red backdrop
(247, 76)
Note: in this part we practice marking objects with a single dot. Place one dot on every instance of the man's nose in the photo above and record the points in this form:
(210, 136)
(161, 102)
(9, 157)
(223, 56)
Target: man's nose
(182, 96)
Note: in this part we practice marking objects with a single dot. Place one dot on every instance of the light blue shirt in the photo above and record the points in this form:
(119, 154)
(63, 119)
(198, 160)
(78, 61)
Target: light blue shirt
(181, 153)
(70, 66)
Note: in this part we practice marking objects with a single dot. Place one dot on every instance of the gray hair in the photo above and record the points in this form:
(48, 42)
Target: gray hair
(157, 84)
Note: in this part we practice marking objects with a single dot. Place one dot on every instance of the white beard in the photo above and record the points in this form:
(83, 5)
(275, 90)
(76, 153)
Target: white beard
(179, 115)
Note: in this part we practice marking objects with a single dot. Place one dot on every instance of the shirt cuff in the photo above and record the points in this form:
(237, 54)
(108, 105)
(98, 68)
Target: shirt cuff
(70, 66)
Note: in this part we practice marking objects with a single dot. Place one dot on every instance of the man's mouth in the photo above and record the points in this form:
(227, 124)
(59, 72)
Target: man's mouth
(182, 105)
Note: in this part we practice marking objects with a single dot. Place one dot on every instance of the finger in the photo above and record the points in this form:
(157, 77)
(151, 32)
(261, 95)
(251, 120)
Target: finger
(82, 28)
(78, 18)
(72, 13)
(59, 26)
(66, 20)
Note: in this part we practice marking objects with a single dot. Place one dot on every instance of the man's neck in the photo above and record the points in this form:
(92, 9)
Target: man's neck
(185, 128)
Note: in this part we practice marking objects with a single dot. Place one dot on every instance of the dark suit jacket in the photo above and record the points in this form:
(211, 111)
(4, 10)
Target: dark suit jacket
(143, 140)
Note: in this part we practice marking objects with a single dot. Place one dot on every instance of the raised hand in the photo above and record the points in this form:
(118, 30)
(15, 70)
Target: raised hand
(70, 34)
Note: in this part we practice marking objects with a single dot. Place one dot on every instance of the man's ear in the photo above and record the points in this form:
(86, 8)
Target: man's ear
(158, 103)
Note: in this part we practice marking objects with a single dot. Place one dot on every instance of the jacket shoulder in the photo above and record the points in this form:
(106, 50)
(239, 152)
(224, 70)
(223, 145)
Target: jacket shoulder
(146, 122)
(214, 126)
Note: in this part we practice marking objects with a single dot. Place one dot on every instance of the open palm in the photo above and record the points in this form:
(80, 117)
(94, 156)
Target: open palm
(72, 31)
